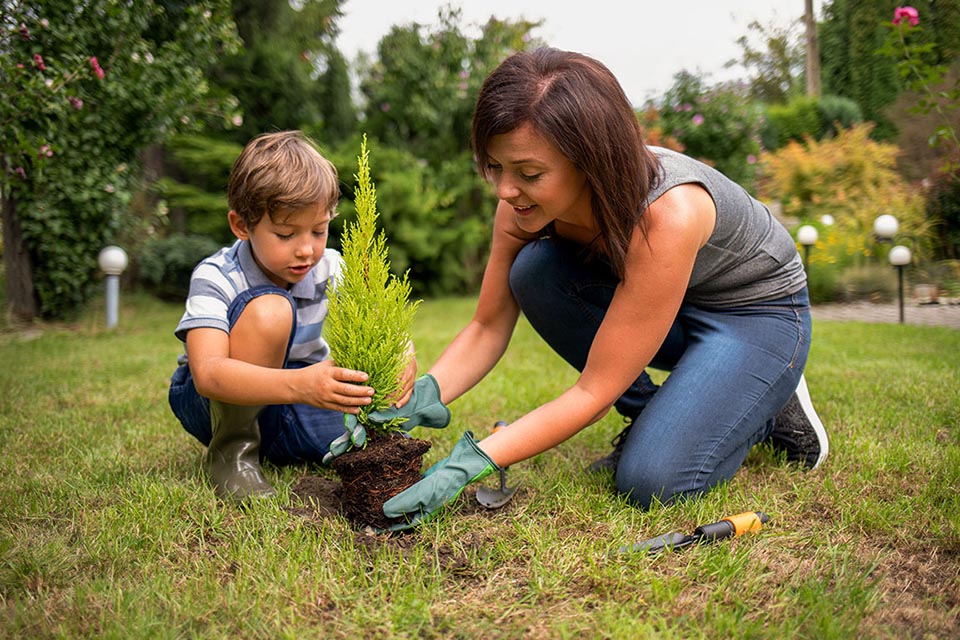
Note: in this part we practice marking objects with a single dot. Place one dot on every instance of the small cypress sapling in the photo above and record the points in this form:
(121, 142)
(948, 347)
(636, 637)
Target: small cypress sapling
(370, 315)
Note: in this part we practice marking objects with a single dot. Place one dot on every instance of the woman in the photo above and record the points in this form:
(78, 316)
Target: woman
(624, 256)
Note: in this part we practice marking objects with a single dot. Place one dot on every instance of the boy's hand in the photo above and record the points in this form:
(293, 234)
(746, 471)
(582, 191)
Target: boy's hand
(407, 378)
(332, 387)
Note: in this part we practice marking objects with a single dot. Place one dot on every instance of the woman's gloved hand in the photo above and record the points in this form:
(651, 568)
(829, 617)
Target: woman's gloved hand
(442, 483)
(354, 435)
(424, 409)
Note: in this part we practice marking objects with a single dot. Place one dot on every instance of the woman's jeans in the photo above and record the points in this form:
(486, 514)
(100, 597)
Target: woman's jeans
(289, 433)
(730, 371)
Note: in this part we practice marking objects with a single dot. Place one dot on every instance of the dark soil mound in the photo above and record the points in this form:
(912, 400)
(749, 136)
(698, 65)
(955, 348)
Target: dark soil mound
(372, 475)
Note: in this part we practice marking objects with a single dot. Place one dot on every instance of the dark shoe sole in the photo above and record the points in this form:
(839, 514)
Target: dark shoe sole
(812, 455)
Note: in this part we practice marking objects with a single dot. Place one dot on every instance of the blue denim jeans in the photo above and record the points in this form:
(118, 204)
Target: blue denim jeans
(289, 433)
(730, 371)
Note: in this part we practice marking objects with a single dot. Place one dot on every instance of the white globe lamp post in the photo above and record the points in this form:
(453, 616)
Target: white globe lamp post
(112, 261)
(885, 227)
(807, 236)
(900, 257)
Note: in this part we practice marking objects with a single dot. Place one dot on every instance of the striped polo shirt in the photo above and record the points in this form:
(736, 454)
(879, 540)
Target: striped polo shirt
(217, 280)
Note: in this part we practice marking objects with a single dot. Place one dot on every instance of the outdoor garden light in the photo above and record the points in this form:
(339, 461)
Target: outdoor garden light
(900, 257)
(112, 260)
(885, 227)
(807, 236)
(827, 220)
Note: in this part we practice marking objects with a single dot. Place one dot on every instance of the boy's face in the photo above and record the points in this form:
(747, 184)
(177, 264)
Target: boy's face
(288, 247)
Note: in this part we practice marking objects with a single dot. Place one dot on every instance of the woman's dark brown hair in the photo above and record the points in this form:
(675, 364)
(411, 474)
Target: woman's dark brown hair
(578, 105)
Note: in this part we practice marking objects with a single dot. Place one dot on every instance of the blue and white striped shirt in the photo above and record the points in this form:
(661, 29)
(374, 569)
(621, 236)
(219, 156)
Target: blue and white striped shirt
(217, 280)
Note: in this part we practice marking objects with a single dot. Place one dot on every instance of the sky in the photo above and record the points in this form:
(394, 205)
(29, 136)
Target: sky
(644, 43)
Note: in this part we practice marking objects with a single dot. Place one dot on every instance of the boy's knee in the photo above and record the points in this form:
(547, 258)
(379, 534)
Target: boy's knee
(269, 316)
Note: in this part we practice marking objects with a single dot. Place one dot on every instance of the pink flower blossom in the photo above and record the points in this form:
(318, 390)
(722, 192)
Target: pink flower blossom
(21, 172)
(906, 13)
(24, 32)
(96, 67)
(751, 159)
(75, 102)
(38, 59)
(698, 119)
(45, 151)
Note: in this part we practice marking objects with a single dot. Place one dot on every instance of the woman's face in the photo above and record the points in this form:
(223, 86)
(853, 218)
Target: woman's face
(538, 181)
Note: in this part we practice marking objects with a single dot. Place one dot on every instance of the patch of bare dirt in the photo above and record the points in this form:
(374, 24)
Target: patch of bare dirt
(317, 498)
(920, 592)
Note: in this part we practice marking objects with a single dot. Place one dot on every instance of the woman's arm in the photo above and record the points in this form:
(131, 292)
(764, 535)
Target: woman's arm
(481, 344)
(643, 309)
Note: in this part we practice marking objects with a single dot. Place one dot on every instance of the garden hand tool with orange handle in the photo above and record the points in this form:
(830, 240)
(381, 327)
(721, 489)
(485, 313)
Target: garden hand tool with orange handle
(725, 528)
(496, 498)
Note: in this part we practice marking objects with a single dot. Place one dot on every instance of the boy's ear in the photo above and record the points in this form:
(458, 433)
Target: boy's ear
(238, 226)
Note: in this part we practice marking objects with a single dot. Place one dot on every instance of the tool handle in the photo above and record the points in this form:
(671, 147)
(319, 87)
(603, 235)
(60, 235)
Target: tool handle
(497, 426)
(732, 526)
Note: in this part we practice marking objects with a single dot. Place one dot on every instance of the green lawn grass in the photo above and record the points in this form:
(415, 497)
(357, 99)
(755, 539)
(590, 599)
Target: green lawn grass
(106, 530)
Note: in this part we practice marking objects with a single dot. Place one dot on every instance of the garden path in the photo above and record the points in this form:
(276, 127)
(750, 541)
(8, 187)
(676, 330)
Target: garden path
(944, 314)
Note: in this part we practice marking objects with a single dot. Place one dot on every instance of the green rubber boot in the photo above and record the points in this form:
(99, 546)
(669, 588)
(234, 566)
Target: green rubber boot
(232, 461)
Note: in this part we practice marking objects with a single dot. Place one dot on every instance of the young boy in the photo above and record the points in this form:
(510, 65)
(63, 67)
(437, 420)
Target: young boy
(256, 381)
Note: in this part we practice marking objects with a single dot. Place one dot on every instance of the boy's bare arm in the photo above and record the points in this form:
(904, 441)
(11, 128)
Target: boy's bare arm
(220, 377)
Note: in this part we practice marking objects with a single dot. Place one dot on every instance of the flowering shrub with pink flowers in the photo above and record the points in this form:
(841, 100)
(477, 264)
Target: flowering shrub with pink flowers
(718, 124)
(920, 68)
(87, 85)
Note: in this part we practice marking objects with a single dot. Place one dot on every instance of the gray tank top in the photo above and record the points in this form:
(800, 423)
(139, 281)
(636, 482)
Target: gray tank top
(750, 257)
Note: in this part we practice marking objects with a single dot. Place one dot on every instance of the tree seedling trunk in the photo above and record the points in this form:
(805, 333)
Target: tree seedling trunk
(368, 328)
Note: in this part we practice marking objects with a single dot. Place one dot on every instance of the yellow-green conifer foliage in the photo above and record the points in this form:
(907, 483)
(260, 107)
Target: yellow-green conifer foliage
(370, 317)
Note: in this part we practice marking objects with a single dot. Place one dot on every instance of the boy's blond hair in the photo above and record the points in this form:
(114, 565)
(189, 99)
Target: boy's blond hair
(279, 172)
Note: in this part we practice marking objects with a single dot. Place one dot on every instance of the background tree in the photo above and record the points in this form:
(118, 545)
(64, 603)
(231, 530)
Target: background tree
(775, 71)
(812, 50)
(87, 86)
(288, 74)
(851, 35)
(419, 95)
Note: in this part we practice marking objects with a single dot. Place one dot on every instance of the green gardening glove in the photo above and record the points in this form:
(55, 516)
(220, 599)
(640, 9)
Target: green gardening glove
(423, 409)
(354, 435)
(442, 484)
